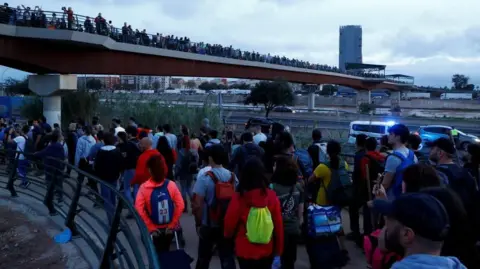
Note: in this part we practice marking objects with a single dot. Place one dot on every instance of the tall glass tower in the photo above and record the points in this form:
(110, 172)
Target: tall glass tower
(350, 45)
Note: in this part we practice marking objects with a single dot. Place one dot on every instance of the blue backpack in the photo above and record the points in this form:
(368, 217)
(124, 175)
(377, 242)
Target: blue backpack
(305, 159)
(323, 220)
(162, 205)
(396, 189)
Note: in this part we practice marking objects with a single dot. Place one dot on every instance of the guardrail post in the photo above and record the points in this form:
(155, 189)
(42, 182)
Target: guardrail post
(112, 236)
(11, 177)
(48, 201)
(72, 211)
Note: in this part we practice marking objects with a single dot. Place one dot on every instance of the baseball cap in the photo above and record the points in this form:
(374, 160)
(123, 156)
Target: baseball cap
(421, 212)
(445, 144)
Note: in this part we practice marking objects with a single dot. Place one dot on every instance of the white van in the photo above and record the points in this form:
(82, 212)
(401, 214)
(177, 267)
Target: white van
(375, 129)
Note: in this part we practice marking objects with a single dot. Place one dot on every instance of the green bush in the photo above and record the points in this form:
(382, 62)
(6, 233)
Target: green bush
(151, 113)
(365, 108)
(77, 104)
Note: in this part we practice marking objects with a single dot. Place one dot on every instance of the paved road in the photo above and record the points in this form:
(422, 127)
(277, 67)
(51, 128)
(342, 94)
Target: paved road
(341, 122)
(187, 221)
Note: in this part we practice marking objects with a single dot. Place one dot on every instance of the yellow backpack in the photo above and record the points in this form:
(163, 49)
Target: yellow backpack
(259, 225)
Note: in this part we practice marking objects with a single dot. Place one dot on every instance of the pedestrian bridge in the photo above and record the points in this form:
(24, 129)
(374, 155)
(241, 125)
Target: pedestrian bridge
(46, 51)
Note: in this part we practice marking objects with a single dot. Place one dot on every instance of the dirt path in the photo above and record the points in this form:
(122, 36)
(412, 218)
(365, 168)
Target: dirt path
(25, 244)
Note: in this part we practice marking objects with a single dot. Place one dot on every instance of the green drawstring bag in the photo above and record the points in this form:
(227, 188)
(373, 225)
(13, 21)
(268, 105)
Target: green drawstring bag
(259, 225)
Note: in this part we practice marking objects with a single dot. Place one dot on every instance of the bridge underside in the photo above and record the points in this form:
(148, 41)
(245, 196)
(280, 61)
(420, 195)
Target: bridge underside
(67, 57)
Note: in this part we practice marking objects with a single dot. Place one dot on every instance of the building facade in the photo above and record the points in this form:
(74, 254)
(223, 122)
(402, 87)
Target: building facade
(350, 45)
(146, 82)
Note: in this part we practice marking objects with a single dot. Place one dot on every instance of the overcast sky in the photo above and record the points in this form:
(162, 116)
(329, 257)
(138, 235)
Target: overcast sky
(429, 39)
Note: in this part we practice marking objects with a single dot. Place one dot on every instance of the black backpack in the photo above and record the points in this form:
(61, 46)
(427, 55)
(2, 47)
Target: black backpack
(190, 163)
(375, 167)
(29, 147)
(246, 155)
(466, 186)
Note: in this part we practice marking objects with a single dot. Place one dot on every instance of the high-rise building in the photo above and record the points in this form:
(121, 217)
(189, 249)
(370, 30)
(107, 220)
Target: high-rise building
(350, 45)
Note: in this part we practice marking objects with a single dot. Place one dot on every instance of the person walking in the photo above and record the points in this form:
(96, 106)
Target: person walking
(72, 139)
(84, 144)
(54, 168)
(156, 192)
(169, 154)
(292, 197)
(106, 156)
(20, 139)
(186, 167)
(142, 172)
(131, 150)
(209, 208)
(254, 219)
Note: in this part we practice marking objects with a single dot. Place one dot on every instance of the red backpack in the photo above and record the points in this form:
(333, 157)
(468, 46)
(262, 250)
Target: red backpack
(223, 194)
(376, 258)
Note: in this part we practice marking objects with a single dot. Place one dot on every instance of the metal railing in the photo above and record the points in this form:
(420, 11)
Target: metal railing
(116, 241)
(99, 25)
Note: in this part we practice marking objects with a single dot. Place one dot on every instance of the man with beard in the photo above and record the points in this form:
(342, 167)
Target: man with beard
(416, 225)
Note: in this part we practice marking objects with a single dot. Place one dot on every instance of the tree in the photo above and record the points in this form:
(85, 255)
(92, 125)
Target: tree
(460, 82)
(128, 87)
(328, 90)
(156, 85)
(365, 108)
(220, 86)
(207, 86)
(117, 86)
(190, 84)
(94, 84)
(13, 86)
(240, 86)
(145, 86)
(271, 95)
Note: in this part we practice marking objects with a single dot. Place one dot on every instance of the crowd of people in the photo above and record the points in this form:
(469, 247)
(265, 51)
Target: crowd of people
(257, 197)
(68, 20)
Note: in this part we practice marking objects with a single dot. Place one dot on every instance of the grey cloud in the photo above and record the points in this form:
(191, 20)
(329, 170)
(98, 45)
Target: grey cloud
(180, 9)
(463, 43)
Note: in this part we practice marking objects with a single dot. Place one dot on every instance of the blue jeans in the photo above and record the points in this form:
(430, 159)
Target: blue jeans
(186, 188)
(127, 190)
(135, 191)
(22, 170)
(109, 199)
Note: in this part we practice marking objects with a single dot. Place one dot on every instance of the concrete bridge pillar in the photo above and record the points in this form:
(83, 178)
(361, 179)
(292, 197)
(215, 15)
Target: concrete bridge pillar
(363, 96)
(311, 98)
(395, 99)
(51, 88)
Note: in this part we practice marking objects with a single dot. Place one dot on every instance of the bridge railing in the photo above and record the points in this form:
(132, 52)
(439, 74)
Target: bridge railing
(126, 34)
(118, 240)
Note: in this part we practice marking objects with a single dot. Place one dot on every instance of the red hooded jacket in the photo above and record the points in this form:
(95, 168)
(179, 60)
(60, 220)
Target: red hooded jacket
(236, 219)
(142, 174)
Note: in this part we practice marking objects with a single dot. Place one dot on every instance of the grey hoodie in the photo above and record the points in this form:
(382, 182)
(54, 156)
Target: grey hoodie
(425, 261)
(84, 144)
